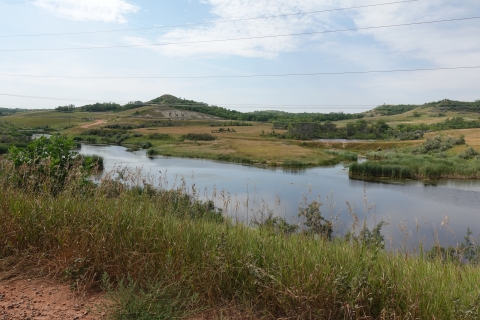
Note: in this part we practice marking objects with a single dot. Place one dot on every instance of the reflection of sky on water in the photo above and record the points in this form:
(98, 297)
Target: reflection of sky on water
(282, 191)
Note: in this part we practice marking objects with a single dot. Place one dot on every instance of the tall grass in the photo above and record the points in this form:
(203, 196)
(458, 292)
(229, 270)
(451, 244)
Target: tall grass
(407, 166)
(344, 155)
(166, 246)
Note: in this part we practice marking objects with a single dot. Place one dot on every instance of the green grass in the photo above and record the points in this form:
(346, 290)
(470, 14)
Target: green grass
(157, 249)
(344, 155)
(399, 165)
(432, 159)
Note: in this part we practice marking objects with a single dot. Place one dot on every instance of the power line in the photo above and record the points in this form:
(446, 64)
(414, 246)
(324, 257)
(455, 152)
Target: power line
(203, 23)
(1, 4)
(244, 76)
(186, 105)
(243, 38)
(239, 106)
(48, 98)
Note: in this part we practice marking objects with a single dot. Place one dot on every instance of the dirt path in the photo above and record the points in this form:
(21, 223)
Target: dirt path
(40, 299)
(93, 124)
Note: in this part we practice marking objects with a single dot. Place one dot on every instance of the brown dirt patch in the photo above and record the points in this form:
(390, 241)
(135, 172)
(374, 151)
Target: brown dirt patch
(230, 312)
(93, 124)
(43, 299)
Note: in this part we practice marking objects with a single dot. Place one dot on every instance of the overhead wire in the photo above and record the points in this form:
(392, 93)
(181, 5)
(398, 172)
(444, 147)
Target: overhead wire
(177, 104)
(4, 3)
(243, 38)
(206, 22)
(186, 105)
(243, 76)
(240, 106)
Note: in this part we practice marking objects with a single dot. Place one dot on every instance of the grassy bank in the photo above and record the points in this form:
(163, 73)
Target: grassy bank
(418, 167)
(165, 255)
(436, 158)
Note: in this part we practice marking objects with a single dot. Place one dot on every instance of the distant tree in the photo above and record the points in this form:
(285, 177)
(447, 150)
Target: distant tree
(67, 108)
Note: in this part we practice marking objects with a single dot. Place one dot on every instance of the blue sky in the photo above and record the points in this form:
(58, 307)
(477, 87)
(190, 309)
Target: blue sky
(438, 45)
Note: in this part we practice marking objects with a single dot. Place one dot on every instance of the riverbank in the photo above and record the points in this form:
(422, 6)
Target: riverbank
(438, 157)
(154, 249)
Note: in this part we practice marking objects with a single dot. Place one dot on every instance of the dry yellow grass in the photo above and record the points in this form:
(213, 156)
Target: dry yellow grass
(251, 131)
(472, 136)
(246, 142)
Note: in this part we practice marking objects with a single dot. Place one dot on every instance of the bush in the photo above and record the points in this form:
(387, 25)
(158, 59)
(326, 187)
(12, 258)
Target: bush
(146, 145)
(198, 136)
(159, 136)
(438, 144)
(91, 162)
(152, 152)
(44, 159)
(468, 154)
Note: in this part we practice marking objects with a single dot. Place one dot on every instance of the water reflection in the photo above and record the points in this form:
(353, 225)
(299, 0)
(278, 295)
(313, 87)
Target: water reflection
(414, 209)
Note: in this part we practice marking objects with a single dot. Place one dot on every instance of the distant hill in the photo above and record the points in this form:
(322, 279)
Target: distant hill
(390, 110)
(169, 99)
(267, 116)
(438, 106)
(455, 106)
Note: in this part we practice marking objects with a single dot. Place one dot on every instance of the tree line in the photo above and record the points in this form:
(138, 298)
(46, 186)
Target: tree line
(361, 129)
(101, 107)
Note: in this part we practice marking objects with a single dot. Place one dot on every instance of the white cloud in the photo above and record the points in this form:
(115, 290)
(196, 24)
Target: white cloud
(240, 9)
(439, 44)
(442, 44)
(89, 10)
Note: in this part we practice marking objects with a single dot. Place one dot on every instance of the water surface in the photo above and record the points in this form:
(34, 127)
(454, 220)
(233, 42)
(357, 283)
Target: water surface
(415, 210)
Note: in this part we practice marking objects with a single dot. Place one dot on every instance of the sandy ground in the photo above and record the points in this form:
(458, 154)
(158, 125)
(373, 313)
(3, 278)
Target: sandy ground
(40, 299)
(93, 124)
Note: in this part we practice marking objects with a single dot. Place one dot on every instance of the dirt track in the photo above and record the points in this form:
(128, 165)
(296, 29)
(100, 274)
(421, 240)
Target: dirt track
(35, 300)
(93, 124)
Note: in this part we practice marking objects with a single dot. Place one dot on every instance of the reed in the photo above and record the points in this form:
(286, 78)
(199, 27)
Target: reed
(344, 155)
(408, 166)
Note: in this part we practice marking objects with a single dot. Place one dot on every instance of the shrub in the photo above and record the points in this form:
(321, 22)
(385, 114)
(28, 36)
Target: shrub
(44, 159)
(438, 144)
(91, 162)
(159, 136)
(468, 153)
(146, 145)
(199, 136)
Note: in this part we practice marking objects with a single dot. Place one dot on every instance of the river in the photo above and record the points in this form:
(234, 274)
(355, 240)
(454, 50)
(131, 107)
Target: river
(415, 210)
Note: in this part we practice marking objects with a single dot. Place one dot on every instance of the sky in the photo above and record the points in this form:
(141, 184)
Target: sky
(239, 54)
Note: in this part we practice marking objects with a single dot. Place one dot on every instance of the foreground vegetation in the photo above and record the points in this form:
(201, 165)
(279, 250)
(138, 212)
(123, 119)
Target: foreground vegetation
(164, 254)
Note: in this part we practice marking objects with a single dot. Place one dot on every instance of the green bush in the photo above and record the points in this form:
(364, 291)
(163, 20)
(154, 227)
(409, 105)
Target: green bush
(199, 136)
(438, 143)
(44, 163)
(159, 136)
